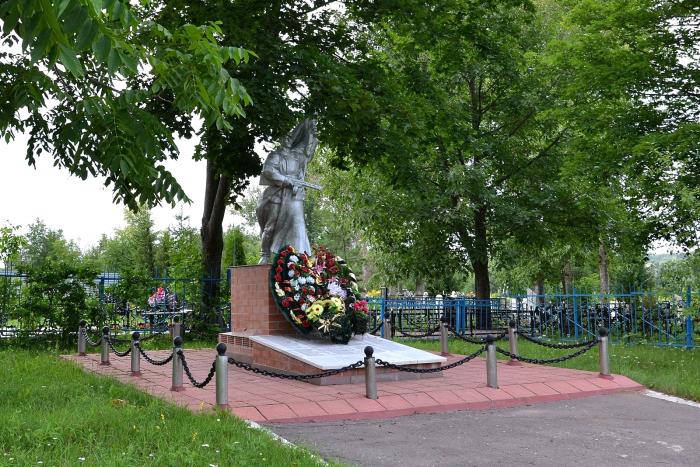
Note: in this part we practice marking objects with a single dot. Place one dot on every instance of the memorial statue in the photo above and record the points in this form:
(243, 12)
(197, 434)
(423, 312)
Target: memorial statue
(280, 210)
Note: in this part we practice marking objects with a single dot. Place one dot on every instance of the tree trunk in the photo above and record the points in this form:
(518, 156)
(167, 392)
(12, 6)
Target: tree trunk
(567, 277)
(480, 264)
(216, 196)
(539, 288)
(603, 268)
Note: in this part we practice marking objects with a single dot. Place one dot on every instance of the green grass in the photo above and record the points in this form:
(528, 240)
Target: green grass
(671, 370)
(53, 413)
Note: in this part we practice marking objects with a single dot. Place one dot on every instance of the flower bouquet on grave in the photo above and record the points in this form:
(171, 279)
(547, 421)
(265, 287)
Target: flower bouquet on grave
(318, 294)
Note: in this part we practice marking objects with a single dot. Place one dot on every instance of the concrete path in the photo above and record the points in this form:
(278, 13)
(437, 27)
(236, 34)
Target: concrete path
(624, 429)
(265, 399)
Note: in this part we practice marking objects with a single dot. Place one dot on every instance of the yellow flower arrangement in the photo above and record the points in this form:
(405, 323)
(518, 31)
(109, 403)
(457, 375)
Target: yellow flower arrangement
(314, 311)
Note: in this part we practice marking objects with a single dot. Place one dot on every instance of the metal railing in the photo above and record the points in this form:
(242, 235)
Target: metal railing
(637, 317)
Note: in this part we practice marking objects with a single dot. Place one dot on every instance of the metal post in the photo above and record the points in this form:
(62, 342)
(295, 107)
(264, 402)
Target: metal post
(177, 327)
(689, 338)
(603, 353)
(81, 338)
(513, 342)
(444, 344)
(386, 329)
(370, 374)
(104, 354)
(491, 372)
(177, 366)
(382, 312)
(135, 355)
(221, 376)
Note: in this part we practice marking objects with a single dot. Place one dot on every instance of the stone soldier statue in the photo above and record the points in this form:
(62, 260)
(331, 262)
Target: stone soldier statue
(280, 209)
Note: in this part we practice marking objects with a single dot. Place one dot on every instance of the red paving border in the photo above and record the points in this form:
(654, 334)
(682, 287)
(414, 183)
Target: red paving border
(265, 399)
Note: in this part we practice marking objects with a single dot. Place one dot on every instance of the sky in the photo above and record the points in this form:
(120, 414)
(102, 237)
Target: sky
(83, 209)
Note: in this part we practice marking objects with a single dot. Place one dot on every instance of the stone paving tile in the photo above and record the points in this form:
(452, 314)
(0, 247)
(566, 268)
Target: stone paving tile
(420, 399)
(365, 405)
(276, 411)
(394, 403)
(260, 398)
(516, 390)
(494, 394)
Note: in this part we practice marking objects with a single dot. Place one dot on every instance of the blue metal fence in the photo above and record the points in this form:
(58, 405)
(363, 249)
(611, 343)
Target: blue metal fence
(123, 302)
(634, 317)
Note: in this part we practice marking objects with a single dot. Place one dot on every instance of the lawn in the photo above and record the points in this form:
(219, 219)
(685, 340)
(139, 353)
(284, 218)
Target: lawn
(53, 413)
(671, 370)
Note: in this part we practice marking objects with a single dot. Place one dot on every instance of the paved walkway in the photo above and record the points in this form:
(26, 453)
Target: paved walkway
(265, 399)
(628, 429)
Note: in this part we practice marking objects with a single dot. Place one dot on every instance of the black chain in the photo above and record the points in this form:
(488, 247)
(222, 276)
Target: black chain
(420, 335)
(150, 360)
(574, 345)
(116, 352)
(189, 375)
(472, 356)
(274, 374)
(472, 340)
(544, 361)
(89, 341)
(374, 331)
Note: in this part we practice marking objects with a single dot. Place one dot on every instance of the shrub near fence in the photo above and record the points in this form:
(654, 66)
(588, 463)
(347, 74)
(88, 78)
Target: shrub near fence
(636, 317)
(48, 300)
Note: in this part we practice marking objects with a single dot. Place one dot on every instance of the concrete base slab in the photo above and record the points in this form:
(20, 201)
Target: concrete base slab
(325, 355)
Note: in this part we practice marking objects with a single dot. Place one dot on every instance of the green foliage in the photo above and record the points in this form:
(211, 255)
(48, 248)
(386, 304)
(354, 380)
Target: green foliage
(235, 251)
(42, 244)
(56, 297)
(10, 245)
(102, 89)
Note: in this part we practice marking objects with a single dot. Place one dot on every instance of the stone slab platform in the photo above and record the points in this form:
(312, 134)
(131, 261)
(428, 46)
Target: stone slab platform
(325, 355)
(265, 399)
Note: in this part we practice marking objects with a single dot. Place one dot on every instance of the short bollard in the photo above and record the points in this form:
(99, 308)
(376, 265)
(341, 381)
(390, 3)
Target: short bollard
(177, 365)
(513, 342)
(387, 329)
(177, 327)
(491, 372)
(104, 354)
(444, 344)
(135, 354)
(81, 338)
(370, 374)
(603, 353)
(221, 376)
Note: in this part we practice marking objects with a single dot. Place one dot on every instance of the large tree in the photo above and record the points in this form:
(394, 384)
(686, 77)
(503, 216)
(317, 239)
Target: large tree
(102, 90)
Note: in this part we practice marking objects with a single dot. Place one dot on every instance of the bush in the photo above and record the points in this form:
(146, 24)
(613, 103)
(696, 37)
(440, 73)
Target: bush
(56, 297)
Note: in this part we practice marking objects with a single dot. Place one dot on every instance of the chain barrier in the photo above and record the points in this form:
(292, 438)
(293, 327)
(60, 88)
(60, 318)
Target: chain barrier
(89, 341)
(379, 326)
(274, 374)
(544, 361)
(472, 356)
(141, 339)
(150, 360)
(551, 345)
(420, 335)
(194, 382)
(116, 352)
(472, 340)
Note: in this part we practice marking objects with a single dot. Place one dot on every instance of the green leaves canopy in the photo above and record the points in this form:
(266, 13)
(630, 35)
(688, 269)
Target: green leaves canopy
(103, 90)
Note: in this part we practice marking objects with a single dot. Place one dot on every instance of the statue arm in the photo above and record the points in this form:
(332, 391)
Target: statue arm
(271, 171)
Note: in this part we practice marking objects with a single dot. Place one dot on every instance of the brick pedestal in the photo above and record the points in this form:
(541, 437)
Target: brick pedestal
(253, 310)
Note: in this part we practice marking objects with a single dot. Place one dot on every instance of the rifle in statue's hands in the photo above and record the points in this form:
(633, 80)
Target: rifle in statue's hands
(298, 183)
